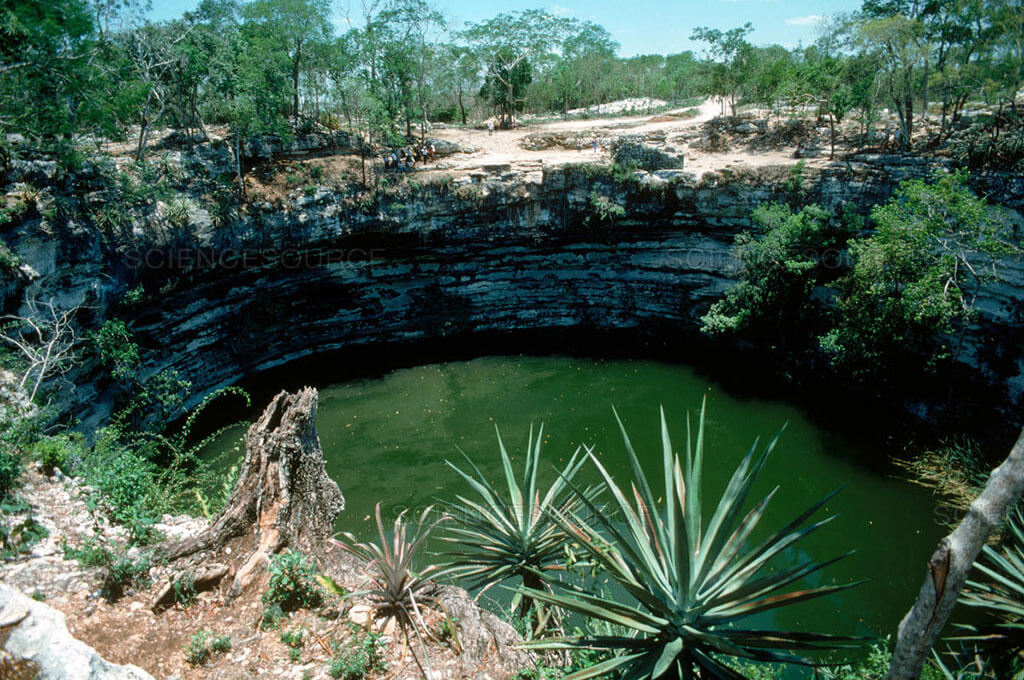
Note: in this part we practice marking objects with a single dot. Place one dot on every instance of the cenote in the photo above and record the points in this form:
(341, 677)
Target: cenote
(386, 440)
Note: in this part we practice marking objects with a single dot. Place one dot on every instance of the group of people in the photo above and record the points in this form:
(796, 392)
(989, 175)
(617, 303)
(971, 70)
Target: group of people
(406, 158)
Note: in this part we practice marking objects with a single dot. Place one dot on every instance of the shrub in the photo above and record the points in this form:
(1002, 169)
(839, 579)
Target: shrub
(10, 470)
(92, 552)
(116, 345)
(123, 475)
(57, 453)
(363, 655)
(292, 583)
(122, 574)
(202, 645)
(19, 538)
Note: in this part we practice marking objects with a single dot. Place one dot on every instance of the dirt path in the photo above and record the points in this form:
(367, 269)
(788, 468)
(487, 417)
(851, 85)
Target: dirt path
(505, 147)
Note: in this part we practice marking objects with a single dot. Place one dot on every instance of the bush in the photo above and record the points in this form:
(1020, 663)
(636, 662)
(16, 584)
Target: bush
(116, 345)
(57, 453)
(292, 583)
(10, 470)
(125, 478)
(122, 574)
(202, 645)
(364, 654)
(19, 538)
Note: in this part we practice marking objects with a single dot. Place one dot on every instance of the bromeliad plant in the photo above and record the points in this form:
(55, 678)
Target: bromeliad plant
(396, 590)
(506, 535)
(694, 582)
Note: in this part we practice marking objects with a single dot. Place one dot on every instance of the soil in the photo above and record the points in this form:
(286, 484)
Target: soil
(128, 631)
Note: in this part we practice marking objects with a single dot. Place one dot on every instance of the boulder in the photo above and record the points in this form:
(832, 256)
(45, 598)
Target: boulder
(37, 644)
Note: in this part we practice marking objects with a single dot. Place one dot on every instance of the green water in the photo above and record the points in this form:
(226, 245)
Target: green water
(386, 439)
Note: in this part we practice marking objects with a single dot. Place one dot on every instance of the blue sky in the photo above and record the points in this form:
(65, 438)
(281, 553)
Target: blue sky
(640, 26)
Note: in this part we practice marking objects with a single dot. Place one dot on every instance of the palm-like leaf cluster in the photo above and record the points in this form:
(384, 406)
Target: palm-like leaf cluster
(500, 535)
(1002, 595)
(693, 583)
(395, 588)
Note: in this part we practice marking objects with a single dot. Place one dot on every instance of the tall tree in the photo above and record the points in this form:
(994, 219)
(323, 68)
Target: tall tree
(729, 50)
(291, 25)
(508, 42)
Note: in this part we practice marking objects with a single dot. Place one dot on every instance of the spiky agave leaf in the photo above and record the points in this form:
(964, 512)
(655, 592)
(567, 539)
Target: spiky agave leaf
(1001, 594)
(693, 582)
(394, 586)
(504, 533)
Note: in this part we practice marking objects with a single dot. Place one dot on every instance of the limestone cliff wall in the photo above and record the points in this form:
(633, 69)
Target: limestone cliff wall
(325, 272)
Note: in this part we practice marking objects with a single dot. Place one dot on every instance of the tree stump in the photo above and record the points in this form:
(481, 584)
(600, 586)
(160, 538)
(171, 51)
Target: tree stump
(283, 497)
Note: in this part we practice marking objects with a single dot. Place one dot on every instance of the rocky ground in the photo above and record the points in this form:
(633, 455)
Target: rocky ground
(462, 639)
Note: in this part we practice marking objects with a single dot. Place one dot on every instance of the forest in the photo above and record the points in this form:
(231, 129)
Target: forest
(97, 69)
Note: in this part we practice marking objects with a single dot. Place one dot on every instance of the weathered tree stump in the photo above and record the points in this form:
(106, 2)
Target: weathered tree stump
(283, 497)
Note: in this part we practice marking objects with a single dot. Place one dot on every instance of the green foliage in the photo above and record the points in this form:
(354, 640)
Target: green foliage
(92, 552)
(271, 617)
(292, 582)
(998, 591)
(784, 258)
(123, 573)
(605, 208)
(117, 347)
(795, 181)
(10, 470)
(395, 587)
(500, 534)
(58, 452)
(364, 654)
(184, 588)
(915, 279)
(694, 584)
(124, 477)
(294, 638)
(17, 538)
(9, 262)
(202, 645)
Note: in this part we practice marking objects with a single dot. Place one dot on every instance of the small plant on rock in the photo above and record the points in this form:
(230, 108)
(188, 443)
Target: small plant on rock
(202, 645)
(397, 590)
(292, 585)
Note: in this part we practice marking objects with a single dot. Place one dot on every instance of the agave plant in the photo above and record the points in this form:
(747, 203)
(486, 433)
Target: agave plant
(693, 583)
(501, 535)
(1002, 596)
(396, 590)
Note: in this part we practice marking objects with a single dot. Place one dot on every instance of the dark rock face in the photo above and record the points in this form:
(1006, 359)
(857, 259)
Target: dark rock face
(460, 259)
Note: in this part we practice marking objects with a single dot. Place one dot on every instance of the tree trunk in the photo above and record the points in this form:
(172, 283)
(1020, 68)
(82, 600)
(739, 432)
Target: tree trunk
(951, 563)
(295, 81)
(238, 162)
(283, 497)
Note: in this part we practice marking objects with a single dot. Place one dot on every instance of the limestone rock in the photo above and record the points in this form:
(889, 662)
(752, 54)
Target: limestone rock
(37, 644)
(487, 642)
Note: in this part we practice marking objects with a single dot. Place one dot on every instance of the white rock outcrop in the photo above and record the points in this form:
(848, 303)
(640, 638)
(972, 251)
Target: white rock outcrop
(37, 644)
